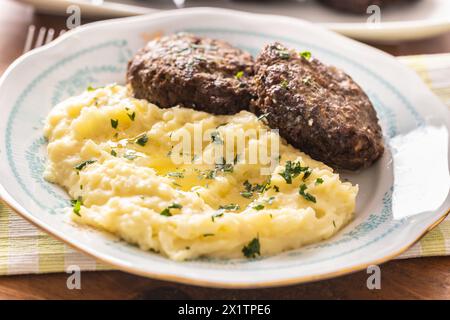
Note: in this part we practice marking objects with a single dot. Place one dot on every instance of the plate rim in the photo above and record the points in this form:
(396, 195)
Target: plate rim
(15, 206)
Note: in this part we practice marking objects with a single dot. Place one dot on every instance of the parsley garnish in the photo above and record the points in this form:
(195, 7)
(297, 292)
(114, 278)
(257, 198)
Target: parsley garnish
(231, 206)
(84, 164)
(239, 74)
(277, 189)
(132, 115)
(252, 249)
(176, 174)
(217, 215)
(90, 88)
(284, 84)
(292, 170)
(114, 123)
(142, 140)
(76, 204)
(305, 54)
(246, 194)
(319, 181)
(264, 115)
(225, 167)
(208, 234)
(259, 207)
(166, 212)
(306, 195)
(113, 153)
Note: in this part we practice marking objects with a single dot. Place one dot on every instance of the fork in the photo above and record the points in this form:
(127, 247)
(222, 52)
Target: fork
(43, 37)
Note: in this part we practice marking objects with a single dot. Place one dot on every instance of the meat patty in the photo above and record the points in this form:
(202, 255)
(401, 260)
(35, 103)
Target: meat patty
(200, 73)
(359, 6)
(317, 108)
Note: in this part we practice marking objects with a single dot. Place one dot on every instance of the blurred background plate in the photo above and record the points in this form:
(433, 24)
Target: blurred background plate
(406, 21)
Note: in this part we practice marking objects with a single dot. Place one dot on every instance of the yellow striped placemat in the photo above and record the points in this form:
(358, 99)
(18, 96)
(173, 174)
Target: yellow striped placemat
(26, 249)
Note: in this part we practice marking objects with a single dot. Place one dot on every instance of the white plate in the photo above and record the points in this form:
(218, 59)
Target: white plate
(402, 196)
(425, 18)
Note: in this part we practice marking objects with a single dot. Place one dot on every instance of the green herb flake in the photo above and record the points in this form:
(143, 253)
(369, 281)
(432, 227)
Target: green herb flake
(114, 123)
(263, 116)
(276, 188)
(131, 115)
(246, 194)
(84, 164)
(223, 166)
(239, 75)
(113, 153)
(231, 207)
(305, 54)
(208, 234)
(166, 212)
(284, 84)
(90, 88)
(252, 249)
(142, 140)
(319, 181)
(217, 215)
(258, 207)
(306, 195)
(176, 174)
(292, 170)
(76, 204)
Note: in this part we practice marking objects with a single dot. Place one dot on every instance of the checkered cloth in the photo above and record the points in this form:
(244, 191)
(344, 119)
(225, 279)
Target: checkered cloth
(26, 249)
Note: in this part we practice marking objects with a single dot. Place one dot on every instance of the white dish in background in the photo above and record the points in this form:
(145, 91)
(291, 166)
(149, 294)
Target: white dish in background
(425, 18)
(393, 209)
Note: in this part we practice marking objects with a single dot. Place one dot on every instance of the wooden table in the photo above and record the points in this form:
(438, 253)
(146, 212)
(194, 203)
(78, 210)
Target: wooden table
(423, 278)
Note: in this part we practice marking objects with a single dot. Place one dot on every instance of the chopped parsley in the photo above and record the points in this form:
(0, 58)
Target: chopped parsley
(292, 170)
(113, 153)
(264, 115)
(319, 181)
(176, 174)
(142, 140)
(114, 123)
(277, 189)
(305, 54)
(259, 207)
(166, 212)
(224, 166)
(246, 194)
(284, 84)
(306, 195)
(76, 204)
(231, 206)
(239, 75)
(132, 115)
(250, 189)
(307, 174)
(217, 215)
(84, 164)
(211, 174)
(208, 234)
(90, 88)
(252, 249)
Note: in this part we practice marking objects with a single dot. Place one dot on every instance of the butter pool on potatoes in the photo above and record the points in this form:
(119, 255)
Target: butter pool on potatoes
(134, 189)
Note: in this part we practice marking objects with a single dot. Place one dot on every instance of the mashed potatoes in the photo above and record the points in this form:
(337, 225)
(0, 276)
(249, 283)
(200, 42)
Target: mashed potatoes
(114, 156)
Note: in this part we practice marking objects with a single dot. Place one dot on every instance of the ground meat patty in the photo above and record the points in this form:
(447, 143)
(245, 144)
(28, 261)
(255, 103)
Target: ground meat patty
(317, 108)
(200, 73)
(359, 6)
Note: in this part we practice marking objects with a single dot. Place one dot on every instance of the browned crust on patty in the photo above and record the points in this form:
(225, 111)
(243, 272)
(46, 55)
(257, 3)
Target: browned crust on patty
(317, 108)
(197, 72)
